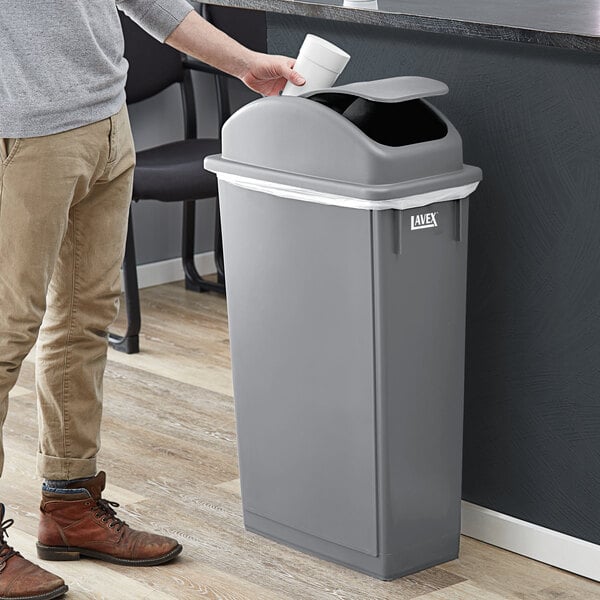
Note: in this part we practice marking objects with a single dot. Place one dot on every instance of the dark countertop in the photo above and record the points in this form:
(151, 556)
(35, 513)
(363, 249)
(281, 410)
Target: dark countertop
(558, 23)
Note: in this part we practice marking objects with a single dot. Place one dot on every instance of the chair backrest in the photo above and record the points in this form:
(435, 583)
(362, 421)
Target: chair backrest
(248, 27)
(152, 66)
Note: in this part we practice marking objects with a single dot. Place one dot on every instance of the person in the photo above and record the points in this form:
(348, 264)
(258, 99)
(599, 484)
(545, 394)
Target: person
(67, 161)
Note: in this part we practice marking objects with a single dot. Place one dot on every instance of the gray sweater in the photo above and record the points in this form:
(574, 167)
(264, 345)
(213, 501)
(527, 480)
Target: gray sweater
(61, 61)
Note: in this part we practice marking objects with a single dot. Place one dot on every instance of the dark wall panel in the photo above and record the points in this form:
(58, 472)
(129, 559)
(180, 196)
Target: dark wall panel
(530, 119)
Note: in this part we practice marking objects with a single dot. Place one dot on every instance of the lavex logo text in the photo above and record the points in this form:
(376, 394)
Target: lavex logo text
(424, 221)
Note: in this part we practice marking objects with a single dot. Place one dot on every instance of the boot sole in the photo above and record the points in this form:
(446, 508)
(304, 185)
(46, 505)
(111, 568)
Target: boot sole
(57, 593)
(74, 553)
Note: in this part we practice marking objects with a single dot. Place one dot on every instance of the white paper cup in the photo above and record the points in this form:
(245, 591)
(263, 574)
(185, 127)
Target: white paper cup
(320, 63)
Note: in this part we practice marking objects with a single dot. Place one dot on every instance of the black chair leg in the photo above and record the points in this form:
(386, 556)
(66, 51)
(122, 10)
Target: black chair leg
(193, 280)
(129, 343)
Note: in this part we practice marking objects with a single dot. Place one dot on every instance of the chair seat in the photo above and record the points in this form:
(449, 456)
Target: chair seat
(175, 172)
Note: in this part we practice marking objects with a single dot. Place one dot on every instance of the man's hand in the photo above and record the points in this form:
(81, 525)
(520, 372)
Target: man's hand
(262, 73)
(268, 74)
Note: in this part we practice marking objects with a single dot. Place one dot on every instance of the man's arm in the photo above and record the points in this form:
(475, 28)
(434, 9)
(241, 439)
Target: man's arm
(262, 73)
(177, 24)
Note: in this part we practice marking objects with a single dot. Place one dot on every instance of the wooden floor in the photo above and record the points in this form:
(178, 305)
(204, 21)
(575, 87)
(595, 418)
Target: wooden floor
(170, 452)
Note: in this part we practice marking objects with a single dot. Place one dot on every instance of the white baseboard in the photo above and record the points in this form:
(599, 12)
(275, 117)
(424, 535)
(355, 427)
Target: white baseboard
(167, 271)
(547, 546)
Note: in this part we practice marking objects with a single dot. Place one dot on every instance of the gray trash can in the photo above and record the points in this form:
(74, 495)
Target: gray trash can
(344, 217)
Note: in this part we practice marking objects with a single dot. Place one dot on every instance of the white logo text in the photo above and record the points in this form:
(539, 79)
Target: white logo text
(424, 221)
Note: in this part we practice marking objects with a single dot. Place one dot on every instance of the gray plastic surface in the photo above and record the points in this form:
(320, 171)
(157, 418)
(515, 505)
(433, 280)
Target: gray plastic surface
(347, 341)
(306, 434)
(394, 89)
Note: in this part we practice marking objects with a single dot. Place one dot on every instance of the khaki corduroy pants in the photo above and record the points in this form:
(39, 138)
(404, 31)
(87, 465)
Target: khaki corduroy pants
(64, 205)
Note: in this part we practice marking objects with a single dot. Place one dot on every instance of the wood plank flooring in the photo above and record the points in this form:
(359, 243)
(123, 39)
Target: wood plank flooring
(170, 453)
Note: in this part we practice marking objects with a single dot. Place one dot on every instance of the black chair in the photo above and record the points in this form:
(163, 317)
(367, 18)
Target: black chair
(172, 172)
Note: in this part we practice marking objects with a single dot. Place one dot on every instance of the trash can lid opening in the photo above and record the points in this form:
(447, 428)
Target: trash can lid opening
(391, 124)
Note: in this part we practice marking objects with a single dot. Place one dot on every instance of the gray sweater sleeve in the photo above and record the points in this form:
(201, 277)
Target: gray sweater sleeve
(158, 17)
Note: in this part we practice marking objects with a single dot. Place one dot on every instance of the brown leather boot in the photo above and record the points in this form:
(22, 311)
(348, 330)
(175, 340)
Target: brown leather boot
(79, 524)
(20, 578)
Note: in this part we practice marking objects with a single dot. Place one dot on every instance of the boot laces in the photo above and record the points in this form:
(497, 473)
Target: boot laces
(6, 551)
(105, 509)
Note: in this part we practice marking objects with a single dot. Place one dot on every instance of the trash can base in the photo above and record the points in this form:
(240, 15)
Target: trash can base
(385, 568)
